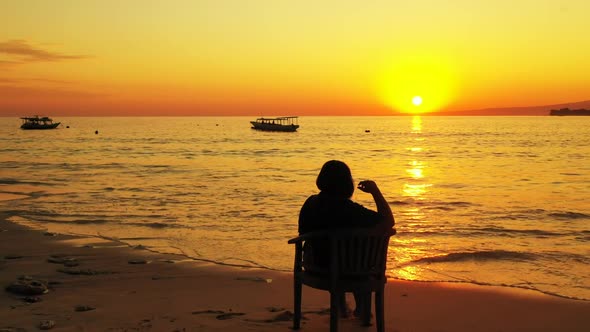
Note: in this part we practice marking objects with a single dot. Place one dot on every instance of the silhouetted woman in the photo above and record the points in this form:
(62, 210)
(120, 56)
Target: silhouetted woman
(332, 208)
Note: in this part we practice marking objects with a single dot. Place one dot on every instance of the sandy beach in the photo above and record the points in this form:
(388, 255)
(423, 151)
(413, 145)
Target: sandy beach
(99, 285)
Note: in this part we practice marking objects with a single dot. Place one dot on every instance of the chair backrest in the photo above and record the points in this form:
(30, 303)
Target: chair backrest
(357, 253)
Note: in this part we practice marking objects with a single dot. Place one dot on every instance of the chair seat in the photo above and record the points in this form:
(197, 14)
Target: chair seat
(349, 284)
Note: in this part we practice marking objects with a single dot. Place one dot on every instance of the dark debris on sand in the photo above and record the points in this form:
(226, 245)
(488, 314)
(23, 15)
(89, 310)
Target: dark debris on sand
(64, 260)
(12, 329)
(32, 299)
(87, 272)
(208, 312)
(26, 285)
(13, 257)
(275, 309)
(285, 316)
(46, 324)
(229, 315)
(82, 308)
(220, 314)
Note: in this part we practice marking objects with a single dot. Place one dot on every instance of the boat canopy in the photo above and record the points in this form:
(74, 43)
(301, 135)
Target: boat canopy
(282, 120)
(36, 118)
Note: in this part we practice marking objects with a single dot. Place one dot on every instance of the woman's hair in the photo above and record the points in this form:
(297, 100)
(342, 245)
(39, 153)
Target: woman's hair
(335, 179)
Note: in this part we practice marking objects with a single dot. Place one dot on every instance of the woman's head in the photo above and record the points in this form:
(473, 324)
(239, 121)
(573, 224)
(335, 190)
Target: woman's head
(335, 179)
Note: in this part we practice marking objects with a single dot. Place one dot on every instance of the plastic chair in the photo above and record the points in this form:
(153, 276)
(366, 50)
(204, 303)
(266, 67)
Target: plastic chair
(357, 259)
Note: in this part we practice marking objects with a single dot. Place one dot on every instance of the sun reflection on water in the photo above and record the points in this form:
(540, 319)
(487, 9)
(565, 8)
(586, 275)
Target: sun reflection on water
(413, 217)
(416, 170)
(405, 252)
(407, 273)
(415, 190)
(416, 167)
(415, 173)
(416, 124)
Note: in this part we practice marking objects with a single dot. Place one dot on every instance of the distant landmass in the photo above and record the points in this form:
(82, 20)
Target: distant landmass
(567, 111)
(529, 110)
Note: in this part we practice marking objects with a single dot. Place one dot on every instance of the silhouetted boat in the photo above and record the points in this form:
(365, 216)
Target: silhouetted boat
(567, 111)
(284, 123)
(37, 122)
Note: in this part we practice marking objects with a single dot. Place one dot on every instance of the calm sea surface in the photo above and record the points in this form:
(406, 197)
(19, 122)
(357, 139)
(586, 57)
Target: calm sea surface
(491, 200)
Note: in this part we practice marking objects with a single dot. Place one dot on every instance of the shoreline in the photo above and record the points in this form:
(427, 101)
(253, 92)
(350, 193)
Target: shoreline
(167, 292)
(188, 258)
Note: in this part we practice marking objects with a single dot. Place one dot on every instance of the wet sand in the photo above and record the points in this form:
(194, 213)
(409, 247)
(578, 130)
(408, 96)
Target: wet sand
(100, 285)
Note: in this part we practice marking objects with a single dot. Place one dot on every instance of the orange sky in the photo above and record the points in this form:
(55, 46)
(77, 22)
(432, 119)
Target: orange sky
(219, 57)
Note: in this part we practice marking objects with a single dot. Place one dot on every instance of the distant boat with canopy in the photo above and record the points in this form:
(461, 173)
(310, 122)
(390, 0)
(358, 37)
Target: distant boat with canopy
(37, 122)
(283, 123)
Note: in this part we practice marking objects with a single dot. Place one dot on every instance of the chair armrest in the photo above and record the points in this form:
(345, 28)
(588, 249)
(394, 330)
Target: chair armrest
(323, 234)
(392, 232)
(309, 236)
(295, 240)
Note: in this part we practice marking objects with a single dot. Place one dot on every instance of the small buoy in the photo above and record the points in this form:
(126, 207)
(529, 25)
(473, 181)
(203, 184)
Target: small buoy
(367, 131)
(96, 132)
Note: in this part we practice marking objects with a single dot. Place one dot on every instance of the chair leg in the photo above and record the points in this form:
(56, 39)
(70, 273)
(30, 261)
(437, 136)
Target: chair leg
(296, 304)
(379, 314)
(366, 309)
(334, 310)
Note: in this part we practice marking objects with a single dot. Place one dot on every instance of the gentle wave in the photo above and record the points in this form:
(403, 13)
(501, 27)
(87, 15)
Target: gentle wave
(486, 255)
(432, 203)
(558, 256)
(6, 181)
(486, 232)
(157, 225)
(535, 214)
(569, 215)
(518, 232)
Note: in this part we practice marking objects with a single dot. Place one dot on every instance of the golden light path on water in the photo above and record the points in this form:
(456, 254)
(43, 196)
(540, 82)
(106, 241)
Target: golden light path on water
(415, 188)
(416, 167)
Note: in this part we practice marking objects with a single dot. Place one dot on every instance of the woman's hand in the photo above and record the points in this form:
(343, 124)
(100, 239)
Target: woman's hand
(383, 208)
(368, 186)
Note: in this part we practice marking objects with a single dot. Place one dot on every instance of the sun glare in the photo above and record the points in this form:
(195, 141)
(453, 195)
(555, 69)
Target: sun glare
(402, 77)
(417, 100)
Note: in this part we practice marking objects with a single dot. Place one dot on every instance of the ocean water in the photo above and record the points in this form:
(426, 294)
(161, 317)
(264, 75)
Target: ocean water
(488, 200)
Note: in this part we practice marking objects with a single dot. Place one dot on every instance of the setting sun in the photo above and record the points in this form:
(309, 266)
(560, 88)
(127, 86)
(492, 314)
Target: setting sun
(403, 75)
(417, 100)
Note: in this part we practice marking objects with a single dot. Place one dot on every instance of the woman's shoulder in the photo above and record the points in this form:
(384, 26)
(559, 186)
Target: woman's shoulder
(312, 198)
(310, 201)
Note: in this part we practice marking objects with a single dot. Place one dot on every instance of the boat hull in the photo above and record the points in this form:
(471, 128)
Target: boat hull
(33, 126)
(273, 127)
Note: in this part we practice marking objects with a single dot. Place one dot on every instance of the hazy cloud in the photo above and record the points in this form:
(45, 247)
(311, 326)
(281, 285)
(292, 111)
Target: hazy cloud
(34, 80)
(19, 51)
(8, 80)
(51, 81)
(9, 62)
(20, 93)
